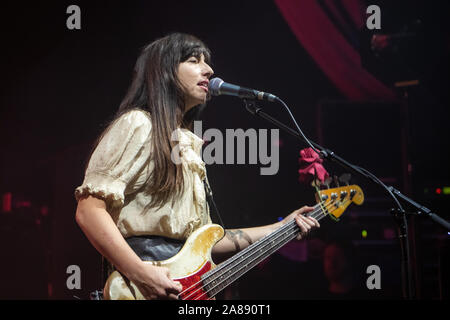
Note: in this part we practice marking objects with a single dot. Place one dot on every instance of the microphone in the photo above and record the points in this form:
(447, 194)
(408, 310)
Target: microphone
(218, 87)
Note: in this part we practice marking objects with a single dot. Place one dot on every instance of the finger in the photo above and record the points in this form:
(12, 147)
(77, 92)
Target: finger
(173, 287)
(302, 225)
(162, 294)
(316, 223)
(173, 296)
(311, 221)
(305, 209)
(177, 285)
(149, 295)
(303, 229)
(305, 219)
(308, 221)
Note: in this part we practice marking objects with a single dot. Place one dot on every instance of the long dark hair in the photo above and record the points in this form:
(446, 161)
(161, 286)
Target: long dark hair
(155, 88)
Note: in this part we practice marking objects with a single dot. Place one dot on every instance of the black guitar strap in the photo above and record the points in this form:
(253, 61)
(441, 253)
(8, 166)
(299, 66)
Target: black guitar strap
(211, 203)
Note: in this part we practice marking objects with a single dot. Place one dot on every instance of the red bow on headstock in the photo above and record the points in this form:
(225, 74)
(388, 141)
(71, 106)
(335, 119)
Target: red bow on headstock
(311, 166)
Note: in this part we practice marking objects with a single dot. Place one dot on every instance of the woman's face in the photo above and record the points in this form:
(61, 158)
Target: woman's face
(194, 74)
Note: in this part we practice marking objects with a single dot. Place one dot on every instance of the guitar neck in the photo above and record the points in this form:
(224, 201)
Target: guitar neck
(226, 273)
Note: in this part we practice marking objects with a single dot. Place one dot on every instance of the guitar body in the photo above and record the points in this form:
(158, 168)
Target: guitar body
(190, 265)
(187, 266)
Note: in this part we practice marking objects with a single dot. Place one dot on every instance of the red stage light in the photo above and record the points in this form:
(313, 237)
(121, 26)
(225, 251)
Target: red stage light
(7, 201)
(44, 211)
(23, 204)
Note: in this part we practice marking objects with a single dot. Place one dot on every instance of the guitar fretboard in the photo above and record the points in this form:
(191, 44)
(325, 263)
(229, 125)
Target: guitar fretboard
(229, 271)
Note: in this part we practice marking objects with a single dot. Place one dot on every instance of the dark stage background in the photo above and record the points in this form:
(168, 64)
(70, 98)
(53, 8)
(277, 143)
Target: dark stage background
(60, 87)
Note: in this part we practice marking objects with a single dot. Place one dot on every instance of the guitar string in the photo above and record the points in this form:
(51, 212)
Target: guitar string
(276, 247)
(210, 274)
(256, 244)
(244, 268)
(261, 243)
(277, 234)
(286, 237)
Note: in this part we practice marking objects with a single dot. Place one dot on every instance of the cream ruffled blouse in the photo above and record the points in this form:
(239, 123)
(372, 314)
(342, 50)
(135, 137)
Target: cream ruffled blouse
(119, 168)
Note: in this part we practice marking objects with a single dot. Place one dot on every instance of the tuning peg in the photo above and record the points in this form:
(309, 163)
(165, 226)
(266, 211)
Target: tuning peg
(327, 182)
(336, 181)
(345, 178)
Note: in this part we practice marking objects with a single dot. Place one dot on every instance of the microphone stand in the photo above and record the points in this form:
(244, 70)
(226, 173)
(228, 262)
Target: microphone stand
(398, 212)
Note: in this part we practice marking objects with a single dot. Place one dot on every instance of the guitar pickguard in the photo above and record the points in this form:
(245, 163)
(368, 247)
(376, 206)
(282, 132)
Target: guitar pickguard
(187, 266)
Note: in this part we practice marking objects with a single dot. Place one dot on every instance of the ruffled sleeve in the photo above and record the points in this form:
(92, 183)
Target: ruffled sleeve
(117, 160)
(190, 150)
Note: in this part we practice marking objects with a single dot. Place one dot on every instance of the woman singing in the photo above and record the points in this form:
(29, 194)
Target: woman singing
(134, 196)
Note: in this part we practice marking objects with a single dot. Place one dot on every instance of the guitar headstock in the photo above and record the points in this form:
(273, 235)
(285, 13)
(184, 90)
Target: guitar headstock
(336, 200)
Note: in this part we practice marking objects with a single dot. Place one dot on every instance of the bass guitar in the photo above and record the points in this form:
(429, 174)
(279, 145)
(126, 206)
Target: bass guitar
(201, 279)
